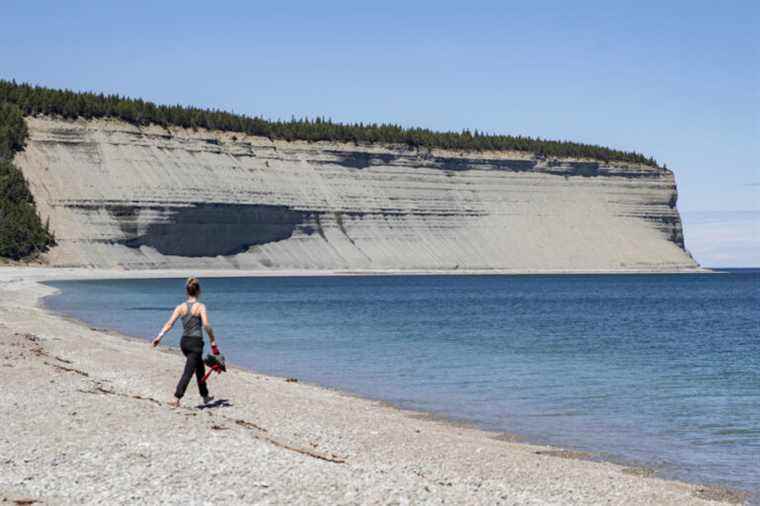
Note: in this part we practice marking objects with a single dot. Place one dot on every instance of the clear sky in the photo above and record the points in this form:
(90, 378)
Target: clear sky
(679, 80)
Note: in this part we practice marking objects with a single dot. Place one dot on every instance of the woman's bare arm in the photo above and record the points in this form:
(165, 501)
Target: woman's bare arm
(208, 329)
(168, 325)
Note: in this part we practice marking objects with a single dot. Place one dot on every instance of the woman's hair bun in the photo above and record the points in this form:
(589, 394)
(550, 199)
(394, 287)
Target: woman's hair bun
(193, 286)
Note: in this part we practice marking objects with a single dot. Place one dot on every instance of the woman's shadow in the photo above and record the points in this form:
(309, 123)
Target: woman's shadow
(219, 403)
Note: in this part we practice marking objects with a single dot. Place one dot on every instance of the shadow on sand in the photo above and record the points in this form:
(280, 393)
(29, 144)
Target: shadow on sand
(219, 403)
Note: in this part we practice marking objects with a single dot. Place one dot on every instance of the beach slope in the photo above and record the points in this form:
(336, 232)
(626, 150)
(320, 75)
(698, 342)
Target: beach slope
(85, 420)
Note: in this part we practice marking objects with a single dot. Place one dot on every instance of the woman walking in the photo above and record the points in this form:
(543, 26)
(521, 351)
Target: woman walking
(194, 320)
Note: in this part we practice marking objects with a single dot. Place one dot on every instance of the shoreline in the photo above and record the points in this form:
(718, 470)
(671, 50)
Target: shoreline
(553, 449)
(30, 292)
(76, 273)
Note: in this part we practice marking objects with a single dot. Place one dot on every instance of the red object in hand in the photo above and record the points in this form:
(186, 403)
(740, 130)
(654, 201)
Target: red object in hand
(214, 368)
(214, 349)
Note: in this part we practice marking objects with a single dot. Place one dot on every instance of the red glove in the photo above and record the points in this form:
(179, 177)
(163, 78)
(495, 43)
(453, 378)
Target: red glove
(214, 349)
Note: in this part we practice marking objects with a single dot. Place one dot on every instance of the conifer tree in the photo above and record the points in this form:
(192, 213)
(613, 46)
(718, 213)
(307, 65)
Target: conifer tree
(68, 104)
(21, 231)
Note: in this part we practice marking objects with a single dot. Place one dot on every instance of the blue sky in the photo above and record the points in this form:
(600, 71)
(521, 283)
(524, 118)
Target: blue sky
(679, 80)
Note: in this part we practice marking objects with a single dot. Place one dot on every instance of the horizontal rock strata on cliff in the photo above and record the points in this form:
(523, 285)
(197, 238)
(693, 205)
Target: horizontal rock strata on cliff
(120, 195)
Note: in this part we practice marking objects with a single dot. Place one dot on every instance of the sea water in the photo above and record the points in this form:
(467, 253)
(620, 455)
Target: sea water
(656, 370)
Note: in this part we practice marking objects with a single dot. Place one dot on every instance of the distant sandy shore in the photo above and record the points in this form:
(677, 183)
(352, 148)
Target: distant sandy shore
(85, 421)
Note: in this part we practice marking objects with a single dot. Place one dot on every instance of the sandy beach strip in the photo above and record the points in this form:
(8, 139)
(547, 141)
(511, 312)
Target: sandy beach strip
(85, 420)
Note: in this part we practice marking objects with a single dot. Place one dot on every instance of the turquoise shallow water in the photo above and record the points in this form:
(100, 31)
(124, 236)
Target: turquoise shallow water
(660, 370)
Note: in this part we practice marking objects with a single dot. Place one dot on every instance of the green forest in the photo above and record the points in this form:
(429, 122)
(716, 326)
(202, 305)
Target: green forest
(32, 100)
(22, 234)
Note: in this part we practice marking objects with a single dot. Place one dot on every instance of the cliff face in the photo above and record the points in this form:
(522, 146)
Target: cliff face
(119, 195)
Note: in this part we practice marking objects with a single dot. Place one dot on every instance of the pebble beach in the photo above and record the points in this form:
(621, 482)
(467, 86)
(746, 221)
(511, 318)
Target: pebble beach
(86, 421)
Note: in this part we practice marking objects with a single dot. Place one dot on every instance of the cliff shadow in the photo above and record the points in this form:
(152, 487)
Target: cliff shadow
(206, 230)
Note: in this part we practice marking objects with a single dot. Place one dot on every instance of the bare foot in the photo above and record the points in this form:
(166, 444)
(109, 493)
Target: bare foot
(173, 403)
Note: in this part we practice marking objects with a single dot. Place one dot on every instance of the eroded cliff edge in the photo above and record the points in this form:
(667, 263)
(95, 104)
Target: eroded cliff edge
(118, 195)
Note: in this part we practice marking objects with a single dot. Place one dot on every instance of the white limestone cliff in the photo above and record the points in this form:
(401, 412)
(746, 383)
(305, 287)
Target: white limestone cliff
(118, 195)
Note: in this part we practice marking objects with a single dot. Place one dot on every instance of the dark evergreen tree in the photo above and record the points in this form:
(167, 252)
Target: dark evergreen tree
(21, 231)
(68, 104)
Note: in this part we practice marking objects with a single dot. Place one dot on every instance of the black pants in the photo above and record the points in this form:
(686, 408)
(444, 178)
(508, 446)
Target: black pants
(192, 347)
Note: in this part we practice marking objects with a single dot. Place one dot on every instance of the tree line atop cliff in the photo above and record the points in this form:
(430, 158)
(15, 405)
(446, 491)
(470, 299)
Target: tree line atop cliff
(69, 104)
(22, 234)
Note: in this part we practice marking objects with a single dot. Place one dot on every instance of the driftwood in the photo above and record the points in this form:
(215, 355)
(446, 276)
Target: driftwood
(317, 455)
